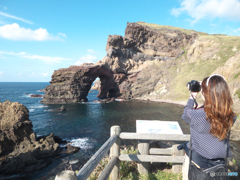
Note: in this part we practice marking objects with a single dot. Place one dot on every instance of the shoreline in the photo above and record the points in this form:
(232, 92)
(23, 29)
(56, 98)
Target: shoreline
(183, 103)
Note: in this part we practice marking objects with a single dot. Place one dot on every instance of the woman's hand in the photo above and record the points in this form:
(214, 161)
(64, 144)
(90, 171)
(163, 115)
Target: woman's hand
(193, 94)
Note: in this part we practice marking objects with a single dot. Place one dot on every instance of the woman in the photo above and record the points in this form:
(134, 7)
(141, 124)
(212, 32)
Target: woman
(210, 124)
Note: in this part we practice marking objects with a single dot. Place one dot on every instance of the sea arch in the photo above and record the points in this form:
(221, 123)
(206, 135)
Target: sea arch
(71, 85)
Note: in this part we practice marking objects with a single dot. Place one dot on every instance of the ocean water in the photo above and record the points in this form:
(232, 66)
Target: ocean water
(85, 125)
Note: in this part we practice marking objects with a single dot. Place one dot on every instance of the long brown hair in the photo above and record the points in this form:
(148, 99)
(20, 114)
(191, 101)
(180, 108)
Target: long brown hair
(218, 106)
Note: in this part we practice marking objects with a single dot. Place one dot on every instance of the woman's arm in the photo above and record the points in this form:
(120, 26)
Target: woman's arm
(186, 112)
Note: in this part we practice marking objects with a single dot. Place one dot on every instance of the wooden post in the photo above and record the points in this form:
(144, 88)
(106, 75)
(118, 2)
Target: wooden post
(177, 167)
(143, 148)
(115, 151)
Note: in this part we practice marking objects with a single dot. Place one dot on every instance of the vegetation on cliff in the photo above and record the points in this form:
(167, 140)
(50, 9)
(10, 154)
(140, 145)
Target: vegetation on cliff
(208, 54)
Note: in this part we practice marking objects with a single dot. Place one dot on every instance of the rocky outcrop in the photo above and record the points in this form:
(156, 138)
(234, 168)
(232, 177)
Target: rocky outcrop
(71, 85)
(141, 44)
(136, 57)
(61, 109)
(122, 71)
(36, 96)
(20, 150)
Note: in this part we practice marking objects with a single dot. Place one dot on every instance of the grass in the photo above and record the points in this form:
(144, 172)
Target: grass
(237, 93)
(236, 76)
(222, 44)
(164, 27)
(128, 170)
(200, 68)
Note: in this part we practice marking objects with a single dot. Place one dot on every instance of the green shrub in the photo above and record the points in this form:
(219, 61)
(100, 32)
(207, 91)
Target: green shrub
(236, 76)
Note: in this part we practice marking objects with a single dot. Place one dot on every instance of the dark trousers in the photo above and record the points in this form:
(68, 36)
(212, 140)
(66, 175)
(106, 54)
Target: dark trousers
(200, 160)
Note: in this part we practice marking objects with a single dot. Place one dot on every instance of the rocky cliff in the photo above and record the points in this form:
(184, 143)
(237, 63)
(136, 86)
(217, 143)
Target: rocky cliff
(151, 62)
(20, 150)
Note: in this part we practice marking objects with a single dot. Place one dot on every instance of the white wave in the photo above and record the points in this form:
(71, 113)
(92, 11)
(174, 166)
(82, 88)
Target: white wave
(120, 100)
(91, 102)
(37, 106)
(47, 110)
(27, 95)
(31, 110)
(83, 143)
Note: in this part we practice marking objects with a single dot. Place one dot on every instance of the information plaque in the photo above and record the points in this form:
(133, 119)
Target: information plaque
(158, 127)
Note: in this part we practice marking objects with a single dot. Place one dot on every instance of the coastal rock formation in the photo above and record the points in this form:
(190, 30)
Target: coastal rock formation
(122, 71)
(71, 85)
(20, 150)
(152, 62)
(141, 44)
(61, 109)
(139, 59)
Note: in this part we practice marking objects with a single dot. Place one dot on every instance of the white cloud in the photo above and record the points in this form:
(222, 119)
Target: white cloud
(1, 73)
(62, 34)
(46, 59)
(15, 32)
(236, 30)
(78, 63)
(200, 9)
(91, 51)
(86, 59)
(12, 53)
(14, 17)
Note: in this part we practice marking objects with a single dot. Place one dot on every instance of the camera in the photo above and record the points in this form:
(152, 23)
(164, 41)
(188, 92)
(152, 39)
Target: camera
(194, 86)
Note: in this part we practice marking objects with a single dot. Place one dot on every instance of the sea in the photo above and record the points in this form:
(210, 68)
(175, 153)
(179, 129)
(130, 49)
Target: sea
(85, 125)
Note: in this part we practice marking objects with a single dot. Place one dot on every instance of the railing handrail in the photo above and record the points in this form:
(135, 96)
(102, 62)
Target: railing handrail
(88, 168)
(155, 137)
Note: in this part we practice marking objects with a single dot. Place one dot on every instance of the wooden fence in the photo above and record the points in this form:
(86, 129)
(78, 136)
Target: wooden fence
(144, 157)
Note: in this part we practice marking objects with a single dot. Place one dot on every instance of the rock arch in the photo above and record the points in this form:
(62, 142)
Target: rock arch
(71, 85)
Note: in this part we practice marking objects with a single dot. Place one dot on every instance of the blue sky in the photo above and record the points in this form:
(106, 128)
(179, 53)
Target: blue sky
(38, 37)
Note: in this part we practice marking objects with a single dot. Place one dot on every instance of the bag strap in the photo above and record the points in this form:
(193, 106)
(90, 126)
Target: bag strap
(226, 145)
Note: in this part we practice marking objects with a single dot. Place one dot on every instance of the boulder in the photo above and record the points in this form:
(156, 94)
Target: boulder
(66, 175)
(20, 150)
(70, 149)
(61, 109)
(36, 96)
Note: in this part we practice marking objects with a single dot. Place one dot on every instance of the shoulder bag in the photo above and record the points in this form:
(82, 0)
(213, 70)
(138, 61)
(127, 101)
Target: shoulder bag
(218, 172)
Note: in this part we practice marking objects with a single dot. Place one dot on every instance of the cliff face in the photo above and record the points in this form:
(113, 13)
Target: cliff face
(143, 55)
(141, 44)
(158, 61)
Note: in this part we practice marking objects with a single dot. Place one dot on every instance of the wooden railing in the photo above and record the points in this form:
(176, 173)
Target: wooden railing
(144, 157)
